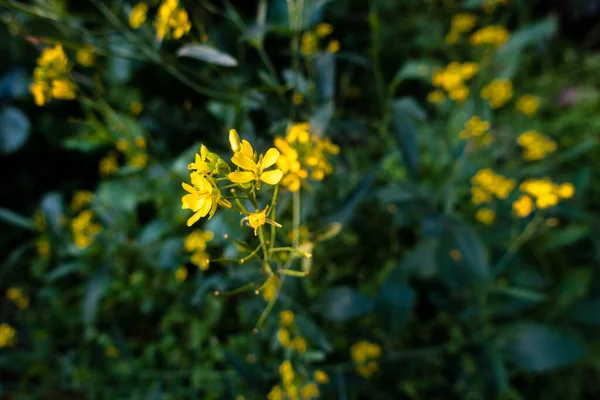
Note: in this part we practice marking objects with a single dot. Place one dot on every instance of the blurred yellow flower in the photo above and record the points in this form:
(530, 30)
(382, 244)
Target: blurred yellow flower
(493, 35)
(283, 337)
(86, 56)
(528, 105)
(498, 92)
(485, 215)
(299, 344)
(463, 22)
(309, 43)
(171, 21)
(286, 318)
(8, 335)
(136, 108)
(333, 46)
(309, 391)
(321, 376)
(437, 96)
(270, 287)
(43, 247)
(297, 98)
(323, 29)
(364, 355)
(17, 296)
(112, 351)
(474, 127)
(181, 274)
(138, 15)
(523, 206)
(535, 145)
(109, 164)
(81, 199)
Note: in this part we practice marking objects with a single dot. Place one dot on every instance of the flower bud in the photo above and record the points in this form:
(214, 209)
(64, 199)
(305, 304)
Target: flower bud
(234, 140)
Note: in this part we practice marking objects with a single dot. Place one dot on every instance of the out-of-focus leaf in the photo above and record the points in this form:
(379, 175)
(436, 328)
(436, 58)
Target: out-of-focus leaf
(471, 251)
(411, 108)
(344, 303)
(325, 67)
(52, 207)
(15, 219)
(495, 362)
(319, 122)
(14, 129)
(170, 253)
(94, 290)
(585, 312)
(63, 270)
(250, 373)
(420, 70)
(394, 306)
(208, 54)
(346, 211)
(421, 261)
(295, 81)
(329, 231)
(119, 195)
(153, 231)
(574, 286)
(535, 33)
(13, 84)
(313, 333)
(398, 193)
(406, 137)
(587, 144)
(566, 236)
(538, 348)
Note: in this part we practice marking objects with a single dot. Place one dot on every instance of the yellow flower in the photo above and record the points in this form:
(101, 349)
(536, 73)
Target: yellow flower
(546, 200)
(452, 37)
(122, 145)
(565, 191)
(109, 164)
(84, 229)
(197, 240)
(493, 35)
(474, 127)
(138, 15)
(459, 94)
(270, 287)
(536, 146)
(364, 355)
(498, 92)
(8, 335)
(321, 376)
(255, 171)
(528, 104)
(139, 160)
(140, 142)
(208, 163)
(202, 198)
(17, 297)
(299, 344)
(112, 351)
(309, 391)
(486, 216)
(171, 20)
(234, 141)
(276, 393)
(53, 61)
(523, 206)
(201, 259)
(81, 199)
(308, 43)
(41, 92)
(286, 318)
(333, 46)
(181, 274)
(287, 372)
(283, 337)
(469, 69)
(86, 56)
(436, 96)
(323, 29)
(63, 89)
(136, 108)
(297, 98)
(463, 22)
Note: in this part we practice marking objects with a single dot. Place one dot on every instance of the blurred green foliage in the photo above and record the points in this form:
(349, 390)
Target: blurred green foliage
(412, 293)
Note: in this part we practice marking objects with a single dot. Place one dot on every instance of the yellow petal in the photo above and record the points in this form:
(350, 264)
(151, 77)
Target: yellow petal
(187, 187)
(193, 219)
(271, 177)
(270, 157)
(241, 177)
(242, 161)
(247, 149)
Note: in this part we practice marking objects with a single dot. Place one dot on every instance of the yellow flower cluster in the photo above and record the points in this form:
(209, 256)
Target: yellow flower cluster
(181, 273)
(478, 129)
(535, 145)
(138, 15)
(86, 56)
(528, 105)
(487, 184)
(364, 355)
(109, 164)
(498, 92)
(493, 35)
(171, 20)
(453, 80)
(8, 336)
(485, 215)
(546, 194)
(461, 23)
(84, 229)
(17, 297)
(195, 243)
(287, 324)
(290, 382)
(81, 199)
(310, 41)
(301, 151)
(51, 77)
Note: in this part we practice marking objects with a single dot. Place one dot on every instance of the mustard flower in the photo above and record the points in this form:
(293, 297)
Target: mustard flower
(528, 105)
(255, 171)
(171, 20)
(138, 15)
(202, 197)
(8, 335)
(498, 92)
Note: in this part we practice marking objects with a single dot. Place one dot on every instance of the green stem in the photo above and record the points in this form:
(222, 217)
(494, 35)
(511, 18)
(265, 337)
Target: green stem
(296, 218)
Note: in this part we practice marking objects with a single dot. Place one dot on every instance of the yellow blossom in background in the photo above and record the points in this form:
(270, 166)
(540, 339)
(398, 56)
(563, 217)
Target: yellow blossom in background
(136, 108)
(437, 96)
(364, 355)
(299, 344)
(270, 287)
(493, 35)
(84, 229)
(51, 77)
(297, 98)
(490, 5)
(452, 37)
(62, 89)
(535, 145)
(138, 15)
(42, 246)
(321, 376)
(324, 29)
(112, 352)
(286, 318)
(498, 92)
(309, 43)
(486, 183)
(86, 56)
(455, 255)
(283, 337)
(8, 335)
(523, 206)
(528, 105)
(81, 199)
(287, 372)
(171, 21)
(140, 142)
(181, 274)
(109, 164)
(474, 127)
(122, 145)
(453, 79)
(309, 391)
(138, 160)
(196, 243)
(17, 297)
(333, 46)
(276, 393)
(463, 22)
(545, 192)
(485, 216)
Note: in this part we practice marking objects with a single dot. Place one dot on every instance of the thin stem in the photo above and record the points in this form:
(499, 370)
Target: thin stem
(272, 211)
(296, 218)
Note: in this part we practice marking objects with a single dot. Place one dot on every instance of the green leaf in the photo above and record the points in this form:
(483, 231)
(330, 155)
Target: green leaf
(319, 122)
(420, 70)
(421, 261)
(411, 108)
(14, 129)
(52, 207)
(395, 303)
(347, 209)
(406, 137)
(532, 34)
(94, 291)
(64, 270)
(538, 348)
(313, 333)
(585, 312)
(344, 303)
(15, 219)
(325, 67)
(574, 286)
(566, 236)
(208, 54)
(472, 251)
